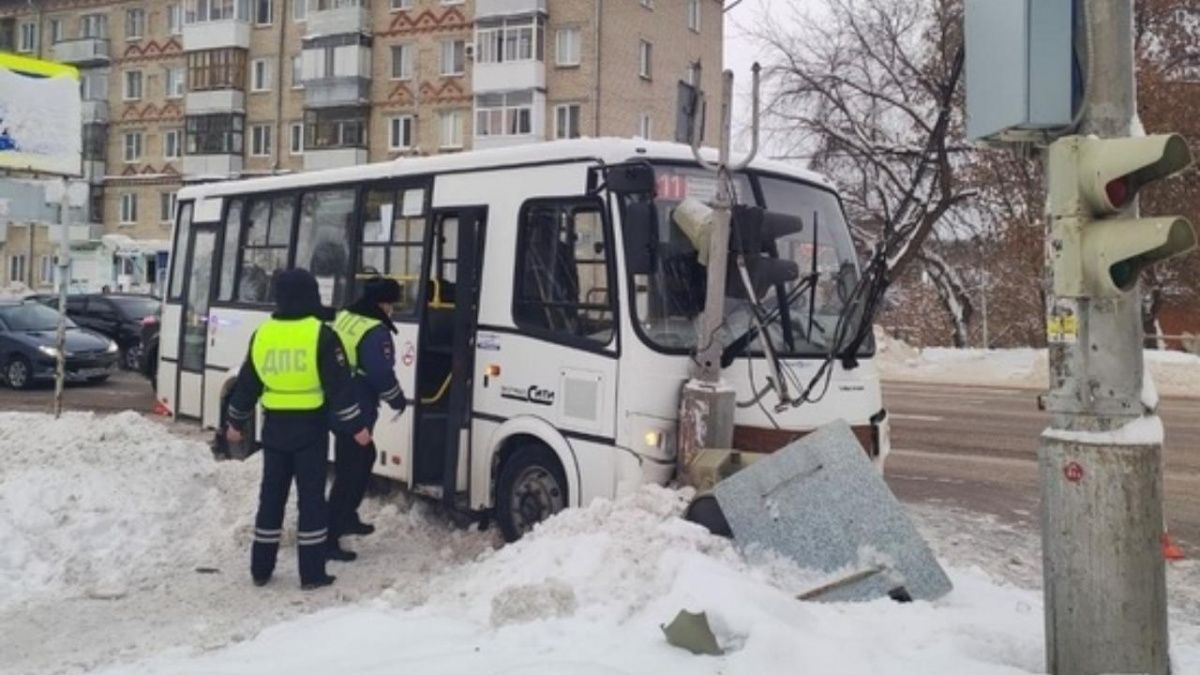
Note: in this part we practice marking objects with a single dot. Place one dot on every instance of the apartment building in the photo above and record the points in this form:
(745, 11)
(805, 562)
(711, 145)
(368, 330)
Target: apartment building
(191, 90)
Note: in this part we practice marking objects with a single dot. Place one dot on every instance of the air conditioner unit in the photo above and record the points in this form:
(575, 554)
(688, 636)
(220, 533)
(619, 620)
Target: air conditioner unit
(469, 50)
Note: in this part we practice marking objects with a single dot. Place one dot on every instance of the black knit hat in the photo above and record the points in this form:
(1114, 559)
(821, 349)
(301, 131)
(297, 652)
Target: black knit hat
(378, 290)
(297, 295)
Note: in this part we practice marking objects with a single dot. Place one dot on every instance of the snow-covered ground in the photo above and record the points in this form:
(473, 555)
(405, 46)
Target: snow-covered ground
(125, 551)
(1174, 373)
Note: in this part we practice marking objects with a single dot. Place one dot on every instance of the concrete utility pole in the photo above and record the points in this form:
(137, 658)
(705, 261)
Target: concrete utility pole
(707, 403)
(64, 280)
(1102, 516)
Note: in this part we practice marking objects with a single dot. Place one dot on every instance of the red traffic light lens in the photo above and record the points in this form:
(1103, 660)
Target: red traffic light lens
(1118, 191)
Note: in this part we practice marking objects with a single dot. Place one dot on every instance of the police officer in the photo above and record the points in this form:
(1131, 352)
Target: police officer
(366, 330)
(297, 368)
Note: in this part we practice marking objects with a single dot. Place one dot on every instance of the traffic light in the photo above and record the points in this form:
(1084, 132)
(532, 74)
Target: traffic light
(1092, 180)
(753, 230)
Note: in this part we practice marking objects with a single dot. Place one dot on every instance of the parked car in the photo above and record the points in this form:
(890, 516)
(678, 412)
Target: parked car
(28, 351)
(149, 364)
(117, 315)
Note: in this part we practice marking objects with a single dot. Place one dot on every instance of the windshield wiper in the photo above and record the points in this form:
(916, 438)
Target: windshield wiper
(735, 348)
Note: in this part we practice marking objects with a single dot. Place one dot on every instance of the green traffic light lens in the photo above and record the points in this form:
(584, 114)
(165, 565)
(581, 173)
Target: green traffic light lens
(1124, 274)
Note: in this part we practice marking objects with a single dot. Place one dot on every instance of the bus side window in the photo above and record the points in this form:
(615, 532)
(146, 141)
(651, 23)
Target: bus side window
(323, 242)
(229, 250)
(562, 280)
(393, 239)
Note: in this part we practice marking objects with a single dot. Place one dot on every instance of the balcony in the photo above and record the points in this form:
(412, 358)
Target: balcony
(490, 8)
(93, 171)
(197, 167)
(338, 21)
(215, 101)
(83, 52)
(95, 112)
(332, 92)
(508, 76)
(216, 35)
(334, 158)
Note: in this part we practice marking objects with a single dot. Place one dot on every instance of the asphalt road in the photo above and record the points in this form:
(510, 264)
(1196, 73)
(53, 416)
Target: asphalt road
(976, 448)
(970, 447)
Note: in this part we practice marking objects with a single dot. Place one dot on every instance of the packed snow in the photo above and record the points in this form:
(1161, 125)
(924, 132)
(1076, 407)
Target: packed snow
(1174, 373)
(130, 545)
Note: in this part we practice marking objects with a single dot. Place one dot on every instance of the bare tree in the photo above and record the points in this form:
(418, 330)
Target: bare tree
(871, 93)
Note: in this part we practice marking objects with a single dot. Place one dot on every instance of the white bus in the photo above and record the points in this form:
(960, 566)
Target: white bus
(547, 322)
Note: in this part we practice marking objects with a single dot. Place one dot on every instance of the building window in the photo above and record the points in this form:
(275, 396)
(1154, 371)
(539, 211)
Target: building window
(693, 15)
(334, 128)
(94, 85)
(648, 4)
(402, 4)
(645, 52)
(566, 120)
(453, 2)
(95, 142)
(400, 132)
(129, 208)
(133, 147)
(28, 41)
(507, 114)
(644, 126)
(402, 62)
(47, 272)
(93, 26)
(260, 140)
(297, 72)
(215, 69)
(567, 51)
(296, 131)
(176, 82)
(260, 79)
(16, 268)
(214, 134)
(56, 30)
(693, 73)
(172, 143)
(166, 207)
(505, 40)
(299, 10)
(264, 12)
(135, 23)
(452, 129)
(174, 19)
(562, 284)
(205, 11)
(454, 57)
(133, 85)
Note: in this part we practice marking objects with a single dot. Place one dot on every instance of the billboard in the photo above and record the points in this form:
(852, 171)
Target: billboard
(41, 117)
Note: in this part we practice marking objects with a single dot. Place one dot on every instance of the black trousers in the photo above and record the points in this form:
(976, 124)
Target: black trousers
(306, 465)
(352, 470)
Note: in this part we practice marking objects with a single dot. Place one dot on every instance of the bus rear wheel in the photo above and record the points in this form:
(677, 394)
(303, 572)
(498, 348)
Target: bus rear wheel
(531, 488)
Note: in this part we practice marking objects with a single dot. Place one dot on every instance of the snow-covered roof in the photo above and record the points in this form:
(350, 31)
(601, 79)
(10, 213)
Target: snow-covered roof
(609, 150)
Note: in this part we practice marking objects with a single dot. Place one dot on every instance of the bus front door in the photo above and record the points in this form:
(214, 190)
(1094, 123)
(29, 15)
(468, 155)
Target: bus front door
(446, 353)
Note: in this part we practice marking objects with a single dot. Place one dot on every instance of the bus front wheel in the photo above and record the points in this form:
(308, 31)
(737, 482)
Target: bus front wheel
(531, 488)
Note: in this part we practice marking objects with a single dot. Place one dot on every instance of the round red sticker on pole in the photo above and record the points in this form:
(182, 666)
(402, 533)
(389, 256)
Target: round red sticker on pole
(409, 354)
(1073, 472)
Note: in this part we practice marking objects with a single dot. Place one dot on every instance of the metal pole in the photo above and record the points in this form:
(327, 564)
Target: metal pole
(983, 308)
(1105, 588)
(64, 253)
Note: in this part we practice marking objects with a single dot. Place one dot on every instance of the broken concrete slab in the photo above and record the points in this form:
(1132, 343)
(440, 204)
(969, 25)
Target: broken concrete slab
(821, 502)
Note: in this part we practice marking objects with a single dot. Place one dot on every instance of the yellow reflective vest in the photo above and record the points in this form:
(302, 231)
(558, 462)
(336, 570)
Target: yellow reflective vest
(350, 329)
(285, 357)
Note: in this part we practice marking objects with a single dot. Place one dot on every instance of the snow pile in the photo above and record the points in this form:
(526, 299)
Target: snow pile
(95, 505)
(1175, 373)
(588, 591)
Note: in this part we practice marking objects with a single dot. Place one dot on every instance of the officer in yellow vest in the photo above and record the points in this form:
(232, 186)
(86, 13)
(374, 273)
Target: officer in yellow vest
(297, 369)
(366, 330)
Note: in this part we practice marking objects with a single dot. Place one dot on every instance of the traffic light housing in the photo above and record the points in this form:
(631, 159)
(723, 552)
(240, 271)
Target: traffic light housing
(1096, 251)
(752, 231)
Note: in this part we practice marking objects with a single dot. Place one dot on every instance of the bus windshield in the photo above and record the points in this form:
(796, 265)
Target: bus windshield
(670, 299)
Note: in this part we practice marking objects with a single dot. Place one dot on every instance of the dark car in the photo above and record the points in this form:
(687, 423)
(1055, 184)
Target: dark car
(117, 315)
(28, 352)
(149, 364)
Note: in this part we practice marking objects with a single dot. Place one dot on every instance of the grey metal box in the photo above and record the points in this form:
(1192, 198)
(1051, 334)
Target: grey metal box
(1019, 67)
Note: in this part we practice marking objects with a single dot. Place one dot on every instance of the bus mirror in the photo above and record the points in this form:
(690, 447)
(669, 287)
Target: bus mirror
(631, 179)
(641, 237)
